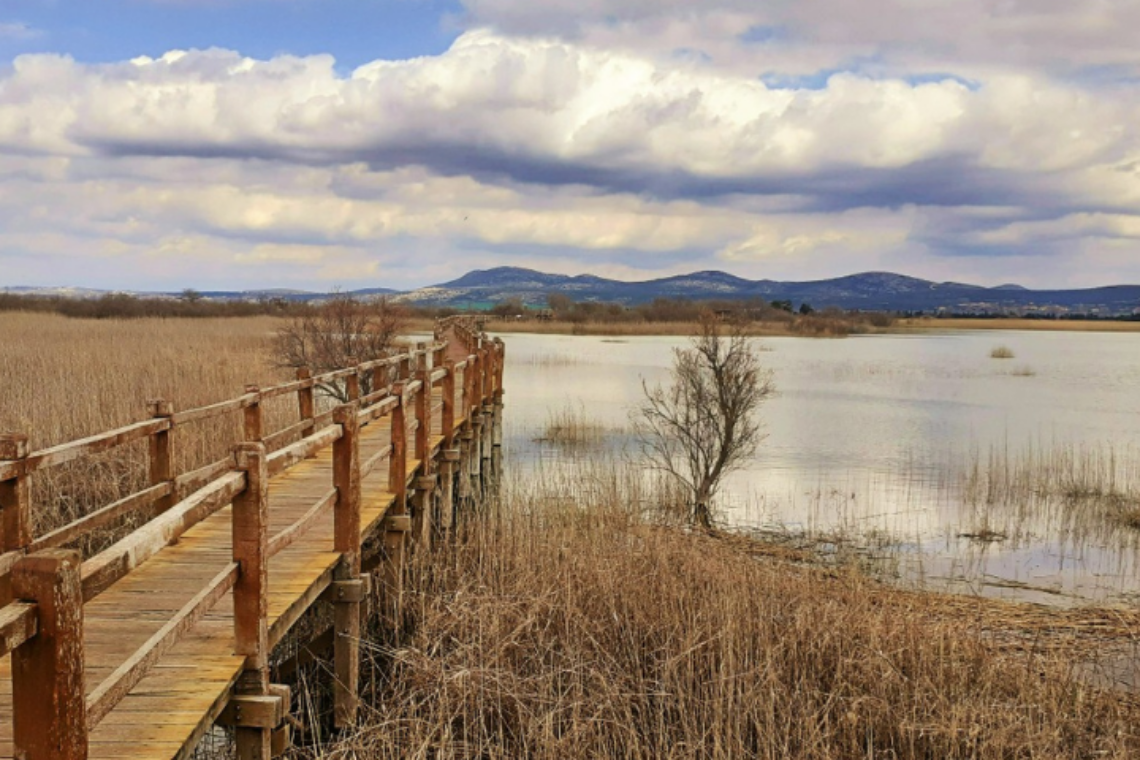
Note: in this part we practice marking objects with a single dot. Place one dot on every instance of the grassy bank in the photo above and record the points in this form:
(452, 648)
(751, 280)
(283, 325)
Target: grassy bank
(570, 626)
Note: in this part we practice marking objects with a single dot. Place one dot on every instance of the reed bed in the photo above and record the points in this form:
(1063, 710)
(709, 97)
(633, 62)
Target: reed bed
(566, 625)
(1093, 490)
(1001, 352)
(572, 426)
(64, 379)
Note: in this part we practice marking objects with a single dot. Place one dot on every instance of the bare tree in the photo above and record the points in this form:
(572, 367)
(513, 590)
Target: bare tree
(337, 333)
(703, 424)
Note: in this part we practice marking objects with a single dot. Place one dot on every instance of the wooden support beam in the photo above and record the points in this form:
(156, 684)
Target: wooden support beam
(447, 415)
(352, 382)
(15, 505)
(48, 705)
(305, 405)
(161, 444)
(346, 521)
(250, 552)
(252, 417)
(423, 416)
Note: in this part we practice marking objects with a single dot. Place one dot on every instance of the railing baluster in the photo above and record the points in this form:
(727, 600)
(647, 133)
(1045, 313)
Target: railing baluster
(252, 417)
(161, 446)
(347, 584)
(48, 695)
(15, 506)
(251, 592)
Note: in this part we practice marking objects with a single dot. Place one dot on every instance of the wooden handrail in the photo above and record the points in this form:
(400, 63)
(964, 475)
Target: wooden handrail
(94, 444)
(18, 623)
(213, 410)
(112, 564)
(281, 460)
(101, 517)
(125, 677)
(370, 464)
(297, 530)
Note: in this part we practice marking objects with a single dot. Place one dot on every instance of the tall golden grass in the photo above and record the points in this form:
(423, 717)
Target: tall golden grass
(64, 379)
(568, 626)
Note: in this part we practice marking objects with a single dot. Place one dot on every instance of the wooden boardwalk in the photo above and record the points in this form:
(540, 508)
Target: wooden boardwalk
(162, 657)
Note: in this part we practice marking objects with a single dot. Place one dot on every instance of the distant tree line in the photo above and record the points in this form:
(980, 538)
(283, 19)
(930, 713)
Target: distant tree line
(125, 306)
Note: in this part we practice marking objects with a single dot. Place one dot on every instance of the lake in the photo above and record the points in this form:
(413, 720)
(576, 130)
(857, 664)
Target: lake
(942, 465)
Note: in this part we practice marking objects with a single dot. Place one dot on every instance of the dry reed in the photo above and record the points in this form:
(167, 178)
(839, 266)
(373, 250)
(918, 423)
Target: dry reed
(1001, 352)
(577, 630)
(571, 426)
(68, 378)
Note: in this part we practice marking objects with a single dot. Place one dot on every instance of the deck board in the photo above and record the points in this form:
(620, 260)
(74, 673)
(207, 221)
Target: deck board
(167, 713)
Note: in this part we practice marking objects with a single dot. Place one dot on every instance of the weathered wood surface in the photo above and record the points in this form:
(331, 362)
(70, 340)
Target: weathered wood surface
(167, 711)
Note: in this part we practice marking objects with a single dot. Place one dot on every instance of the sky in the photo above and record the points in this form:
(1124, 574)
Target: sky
(320, 144)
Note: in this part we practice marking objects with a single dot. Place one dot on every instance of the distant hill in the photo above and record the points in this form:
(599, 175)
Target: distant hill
(869, 291)
(879, 291)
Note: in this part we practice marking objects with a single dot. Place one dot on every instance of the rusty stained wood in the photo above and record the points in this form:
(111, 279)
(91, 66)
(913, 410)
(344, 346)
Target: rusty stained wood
(116, 686)
(49, 711)
(102, 570)
(18, 623)
(250, 552)
(95, 444)
(161, 450)
(282, 460)
(213, 410)
(346, 479)
(378, 410)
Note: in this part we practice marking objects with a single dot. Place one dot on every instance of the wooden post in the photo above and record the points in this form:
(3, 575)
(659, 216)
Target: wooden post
(305, 401)
(346, 533)
(423, 417)
(252, 417)
(15, 506)
(162, 454)
(395, 525)
(251, 592)
(447, 421)
(352, 382)
(49, 699)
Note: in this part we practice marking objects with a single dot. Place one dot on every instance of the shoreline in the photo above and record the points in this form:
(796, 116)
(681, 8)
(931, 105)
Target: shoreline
(905, 326)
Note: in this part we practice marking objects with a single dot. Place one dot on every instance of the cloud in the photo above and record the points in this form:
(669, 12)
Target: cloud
(17, 30)
(514, 148)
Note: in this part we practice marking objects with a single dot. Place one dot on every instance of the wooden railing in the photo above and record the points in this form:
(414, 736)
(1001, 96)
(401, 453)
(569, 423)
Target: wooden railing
(43, 586)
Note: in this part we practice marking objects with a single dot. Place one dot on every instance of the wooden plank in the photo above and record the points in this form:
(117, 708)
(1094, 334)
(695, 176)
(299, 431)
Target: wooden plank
(18, 623)
(367, 468)
(213, 410)
(273, 440)
(297, 530)
(279, 461)
(100, 517)
(102, 570)
(111, 691)
(192, 481)
(66, 452)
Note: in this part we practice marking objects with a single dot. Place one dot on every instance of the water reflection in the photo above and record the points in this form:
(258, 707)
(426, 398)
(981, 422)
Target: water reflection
(917, 442)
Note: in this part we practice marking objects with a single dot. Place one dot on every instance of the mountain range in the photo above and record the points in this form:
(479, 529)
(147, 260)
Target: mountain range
(870, 291)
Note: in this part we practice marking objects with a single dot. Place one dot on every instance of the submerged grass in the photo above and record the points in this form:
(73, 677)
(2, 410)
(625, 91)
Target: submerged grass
(571, 426)
(578, 629)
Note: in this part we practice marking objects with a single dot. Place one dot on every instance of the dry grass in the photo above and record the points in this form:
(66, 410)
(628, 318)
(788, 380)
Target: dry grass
(579, 631)
(1001, 352)
(68, 378)
(1092, 490)
(571, 426)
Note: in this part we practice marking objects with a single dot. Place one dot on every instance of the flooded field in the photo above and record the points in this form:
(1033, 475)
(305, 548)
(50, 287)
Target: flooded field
(998, 463)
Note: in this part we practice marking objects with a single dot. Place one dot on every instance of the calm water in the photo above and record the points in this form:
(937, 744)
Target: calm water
(870, 437)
